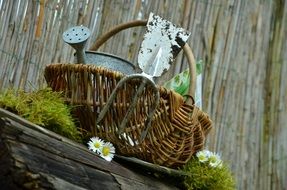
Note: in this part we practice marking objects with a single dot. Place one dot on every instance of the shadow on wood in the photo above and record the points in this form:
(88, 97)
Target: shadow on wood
(32, 157)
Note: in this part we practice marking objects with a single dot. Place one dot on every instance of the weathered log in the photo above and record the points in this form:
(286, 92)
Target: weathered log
(32, 157)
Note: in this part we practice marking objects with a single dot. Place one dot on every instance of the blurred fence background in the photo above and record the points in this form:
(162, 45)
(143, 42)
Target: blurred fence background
(243, 45)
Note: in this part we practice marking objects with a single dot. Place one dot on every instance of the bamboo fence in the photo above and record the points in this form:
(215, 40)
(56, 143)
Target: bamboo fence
(243, 45)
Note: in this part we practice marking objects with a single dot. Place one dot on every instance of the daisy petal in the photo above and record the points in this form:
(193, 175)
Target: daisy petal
(107, 151)
(95, 144)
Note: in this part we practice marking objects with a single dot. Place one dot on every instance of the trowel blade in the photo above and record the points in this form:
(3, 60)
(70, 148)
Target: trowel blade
(161, 33)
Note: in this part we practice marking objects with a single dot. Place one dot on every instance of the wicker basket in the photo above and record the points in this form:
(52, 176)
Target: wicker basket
(178, 128)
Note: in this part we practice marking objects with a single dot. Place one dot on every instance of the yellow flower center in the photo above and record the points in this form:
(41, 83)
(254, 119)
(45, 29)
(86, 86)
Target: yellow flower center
(97, 144)
(213, 159)
(106, 150)
(201, 157)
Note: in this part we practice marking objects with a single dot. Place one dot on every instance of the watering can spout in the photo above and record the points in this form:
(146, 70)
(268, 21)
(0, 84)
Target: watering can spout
(77, 37)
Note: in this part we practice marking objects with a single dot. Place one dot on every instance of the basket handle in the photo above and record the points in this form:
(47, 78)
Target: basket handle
(186, 48)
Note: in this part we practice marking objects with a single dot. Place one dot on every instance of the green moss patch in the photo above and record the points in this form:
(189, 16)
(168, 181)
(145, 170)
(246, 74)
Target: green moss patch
(43, 107)
(203, 176)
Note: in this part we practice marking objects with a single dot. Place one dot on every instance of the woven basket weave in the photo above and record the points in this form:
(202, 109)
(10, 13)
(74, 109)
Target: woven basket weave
(178, 128)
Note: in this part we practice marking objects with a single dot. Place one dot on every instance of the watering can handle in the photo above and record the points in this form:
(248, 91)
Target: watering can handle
(186, 48)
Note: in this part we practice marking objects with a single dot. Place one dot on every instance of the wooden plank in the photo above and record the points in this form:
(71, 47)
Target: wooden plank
(41, 160)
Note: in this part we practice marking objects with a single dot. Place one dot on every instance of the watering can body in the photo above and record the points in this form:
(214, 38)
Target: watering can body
(77, 37)
(109, 61)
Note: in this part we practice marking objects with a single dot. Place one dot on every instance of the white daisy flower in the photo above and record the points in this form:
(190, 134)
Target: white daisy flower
(214, 160)
(203, 155)
(96, 144)
(108, 151)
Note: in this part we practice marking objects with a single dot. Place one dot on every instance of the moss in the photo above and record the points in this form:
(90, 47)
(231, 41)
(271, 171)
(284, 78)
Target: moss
(43, 107)
(203, 176)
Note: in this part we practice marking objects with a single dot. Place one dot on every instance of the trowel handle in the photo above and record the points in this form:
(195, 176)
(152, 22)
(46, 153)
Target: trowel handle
(186, 48)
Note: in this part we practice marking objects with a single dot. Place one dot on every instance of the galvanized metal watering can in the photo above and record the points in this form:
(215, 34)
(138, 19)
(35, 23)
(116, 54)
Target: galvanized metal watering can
(77, 37)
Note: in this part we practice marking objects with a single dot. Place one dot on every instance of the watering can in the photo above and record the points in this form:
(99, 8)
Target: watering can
(77, 37)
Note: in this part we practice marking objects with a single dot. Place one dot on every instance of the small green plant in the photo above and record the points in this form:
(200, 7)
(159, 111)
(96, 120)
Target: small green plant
(180, 82)
(43, 107)
(207, 171)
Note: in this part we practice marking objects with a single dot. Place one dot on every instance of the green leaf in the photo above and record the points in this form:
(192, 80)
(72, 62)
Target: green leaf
(180, 82)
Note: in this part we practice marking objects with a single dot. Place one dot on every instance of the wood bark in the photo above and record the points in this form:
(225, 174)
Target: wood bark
(32, 157)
